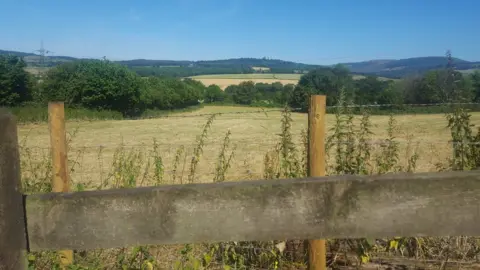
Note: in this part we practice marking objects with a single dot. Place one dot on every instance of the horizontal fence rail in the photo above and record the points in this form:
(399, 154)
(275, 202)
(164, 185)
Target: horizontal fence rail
(426, 204)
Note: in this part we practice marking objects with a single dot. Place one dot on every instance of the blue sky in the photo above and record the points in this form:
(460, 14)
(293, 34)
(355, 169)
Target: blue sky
(309, 31)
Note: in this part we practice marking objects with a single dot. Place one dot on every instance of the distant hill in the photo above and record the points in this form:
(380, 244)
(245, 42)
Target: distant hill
(241, 64)
(390, 68)
(33, 60)
(404, 67)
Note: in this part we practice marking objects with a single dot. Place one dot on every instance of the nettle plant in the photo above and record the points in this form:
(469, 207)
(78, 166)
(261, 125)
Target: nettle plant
(350, 150)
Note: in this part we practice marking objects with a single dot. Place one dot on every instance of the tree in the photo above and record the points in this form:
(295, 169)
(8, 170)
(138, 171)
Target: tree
(326, 81)
(214, 93)
(244, 93)
(96, 85)
(15, 82)
(475, 78)
(370, 90)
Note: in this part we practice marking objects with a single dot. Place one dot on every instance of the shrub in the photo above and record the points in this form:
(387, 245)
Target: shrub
(15, 82)
(99, 85)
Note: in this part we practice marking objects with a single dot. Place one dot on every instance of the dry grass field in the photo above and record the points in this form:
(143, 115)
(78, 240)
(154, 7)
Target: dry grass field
(96, 147)
(127, 153)
(224, 80)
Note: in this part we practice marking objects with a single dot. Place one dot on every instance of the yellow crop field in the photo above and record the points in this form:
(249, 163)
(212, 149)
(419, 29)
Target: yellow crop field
(224, 80)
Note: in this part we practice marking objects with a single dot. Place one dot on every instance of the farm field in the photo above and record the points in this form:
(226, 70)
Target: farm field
(224, 80)
(97, 148)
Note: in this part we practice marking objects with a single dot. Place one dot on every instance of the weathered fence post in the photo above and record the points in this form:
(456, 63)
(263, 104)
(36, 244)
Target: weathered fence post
(12, 223)
(316, 167)
(58, 141)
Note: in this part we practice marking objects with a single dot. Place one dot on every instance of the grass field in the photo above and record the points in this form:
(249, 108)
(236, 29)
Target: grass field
(128, 153)
(224, 80)
(94, 144)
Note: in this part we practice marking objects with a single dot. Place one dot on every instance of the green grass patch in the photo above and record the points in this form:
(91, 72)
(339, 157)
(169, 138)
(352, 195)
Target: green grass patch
(38, 114)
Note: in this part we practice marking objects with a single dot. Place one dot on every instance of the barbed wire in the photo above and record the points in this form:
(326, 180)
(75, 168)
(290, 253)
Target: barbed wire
(210, 114)
(252, 143)
(181, 115)
(406, 105)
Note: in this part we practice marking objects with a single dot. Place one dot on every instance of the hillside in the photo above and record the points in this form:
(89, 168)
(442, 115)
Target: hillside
(389, 68)
(404, 67)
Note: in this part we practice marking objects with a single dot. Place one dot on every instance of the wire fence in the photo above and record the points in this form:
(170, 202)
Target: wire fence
(187, 115)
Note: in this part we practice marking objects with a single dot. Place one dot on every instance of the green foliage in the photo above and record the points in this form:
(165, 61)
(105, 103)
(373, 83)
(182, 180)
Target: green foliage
(244, 93)
(213, 93)
(15, 83)
(95, 85)
(475, 80)
(325, 81)
(36, 113)
(170, 93)
(198, 150)
(224, 159)
(370, 90)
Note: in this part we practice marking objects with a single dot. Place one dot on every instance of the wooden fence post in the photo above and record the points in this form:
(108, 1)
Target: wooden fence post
(316, 167)
(58, 141)
(12, 223)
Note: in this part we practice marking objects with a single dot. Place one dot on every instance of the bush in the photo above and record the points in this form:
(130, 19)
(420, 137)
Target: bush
(214, 93)
(100, 85)
(15, 82)
(171, 93)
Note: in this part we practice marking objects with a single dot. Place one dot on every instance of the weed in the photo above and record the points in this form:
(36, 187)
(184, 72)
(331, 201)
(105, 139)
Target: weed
(158, 164)
(198, 150)
(224, 159)
(180, 151)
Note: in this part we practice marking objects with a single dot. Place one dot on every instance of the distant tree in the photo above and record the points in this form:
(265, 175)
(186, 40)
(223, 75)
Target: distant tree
(244, 93)
(299, 97)
(214, 93)
(325, 81)
(283, 96)
(15, 82)
(392, 94)
(475, 78)
(94, 84)
(370, 90)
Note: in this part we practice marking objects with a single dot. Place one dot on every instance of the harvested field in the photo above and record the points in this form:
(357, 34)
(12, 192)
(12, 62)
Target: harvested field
(94, 144)
(129, 153)
(224, 80)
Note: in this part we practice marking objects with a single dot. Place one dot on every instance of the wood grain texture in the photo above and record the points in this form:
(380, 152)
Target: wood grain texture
(61, 178)
(427, 204)
(12, 223)
(317, 251)
(58, 141)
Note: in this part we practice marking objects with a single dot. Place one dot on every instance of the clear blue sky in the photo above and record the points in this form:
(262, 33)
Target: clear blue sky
(309, 31)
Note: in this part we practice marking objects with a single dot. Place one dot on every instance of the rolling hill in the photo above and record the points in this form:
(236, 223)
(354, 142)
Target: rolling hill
(404, 67)
(389, 68)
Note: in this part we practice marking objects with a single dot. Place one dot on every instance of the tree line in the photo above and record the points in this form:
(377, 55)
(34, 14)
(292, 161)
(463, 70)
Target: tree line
(104, 85)
(95, 84)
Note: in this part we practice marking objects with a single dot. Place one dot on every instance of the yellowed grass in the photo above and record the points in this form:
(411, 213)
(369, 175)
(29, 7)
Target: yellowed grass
(224, 83)
(253, 134)
(224, 80)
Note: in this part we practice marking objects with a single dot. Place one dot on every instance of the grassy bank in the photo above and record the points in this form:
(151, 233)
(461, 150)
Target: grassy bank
(38, 114)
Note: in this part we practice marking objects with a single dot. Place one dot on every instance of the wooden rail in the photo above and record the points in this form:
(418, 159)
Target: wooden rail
(427, 204)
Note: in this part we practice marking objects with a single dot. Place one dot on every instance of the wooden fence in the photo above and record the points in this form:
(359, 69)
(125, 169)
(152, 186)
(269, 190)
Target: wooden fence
(350, 206)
